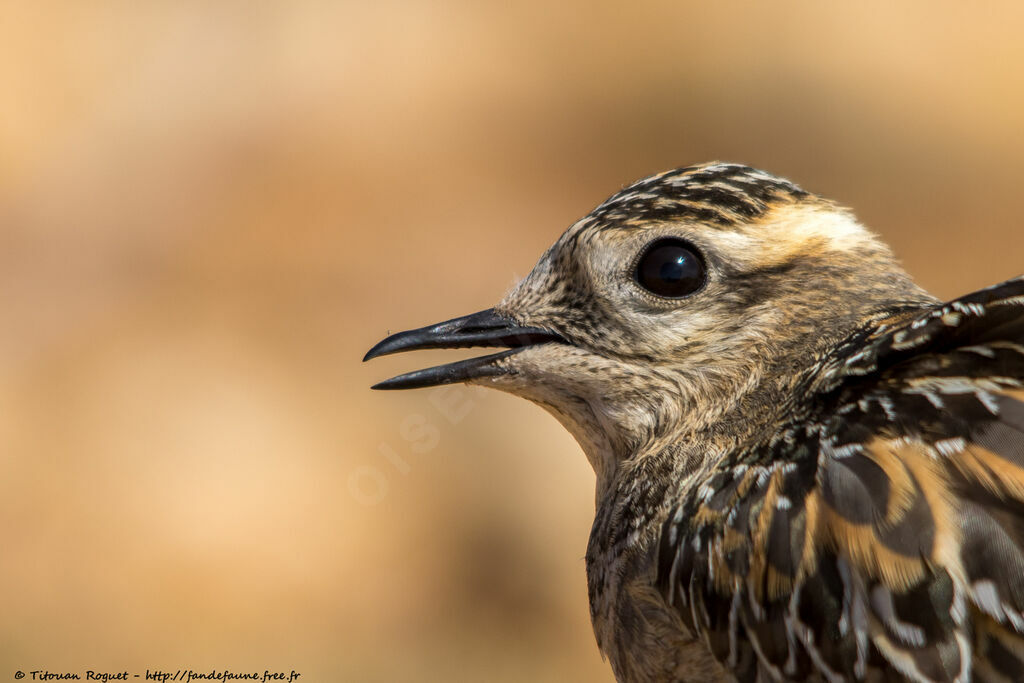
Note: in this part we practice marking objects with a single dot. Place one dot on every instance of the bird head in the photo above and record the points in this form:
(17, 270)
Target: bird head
(669, 306)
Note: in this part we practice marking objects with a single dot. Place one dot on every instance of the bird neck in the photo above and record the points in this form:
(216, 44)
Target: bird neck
(699, 414)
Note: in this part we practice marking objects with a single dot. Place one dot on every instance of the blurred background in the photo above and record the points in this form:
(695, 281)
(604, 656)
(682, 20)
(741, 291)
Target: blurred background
(209, 211)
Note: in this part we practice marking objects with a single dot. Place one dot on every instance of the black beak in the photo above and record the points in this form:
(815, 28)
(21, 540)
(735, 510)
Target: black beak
(485, 328)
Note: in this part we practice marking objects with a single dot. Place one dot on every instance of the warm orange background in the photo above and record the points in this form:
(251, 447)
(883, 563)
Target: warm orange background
(210, 210)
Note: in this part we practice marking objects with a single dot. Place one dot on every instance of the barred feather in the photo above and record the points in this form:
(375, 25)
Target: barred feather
(888, 536)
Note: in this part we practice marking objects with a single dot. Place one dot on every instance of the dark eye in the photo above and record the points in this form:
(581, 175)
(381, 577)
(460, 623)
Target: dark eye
(670, 268)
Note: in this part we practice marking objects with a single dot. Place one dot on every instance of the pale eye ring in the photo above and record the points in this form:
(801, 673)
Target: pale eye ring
(671, 268)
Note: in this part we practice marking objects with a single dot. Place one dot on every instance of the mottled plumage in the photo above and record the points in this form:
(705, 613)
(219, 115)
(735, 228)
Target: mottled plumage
(808, 469)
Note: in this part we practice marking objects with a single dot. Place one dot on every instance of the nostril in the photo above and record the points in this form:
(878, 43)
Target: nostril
(531, 338)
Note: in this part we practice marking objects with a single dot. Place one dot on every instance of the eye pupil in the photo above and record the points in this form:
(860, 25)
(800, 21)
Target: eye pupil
(670, 268)
(675, 269)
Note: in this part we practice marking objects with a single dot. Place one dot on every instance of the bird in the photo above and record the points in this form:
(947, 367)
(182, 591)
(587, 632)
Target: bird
(808, 468)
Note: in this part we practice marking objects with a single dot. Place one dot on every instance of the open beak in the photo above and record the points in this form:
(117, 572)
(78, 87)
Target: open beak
(485, 328)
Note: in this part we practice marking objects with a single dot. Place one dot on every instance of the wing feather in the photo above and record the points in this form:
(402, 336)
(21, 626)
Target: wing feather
(883, 539)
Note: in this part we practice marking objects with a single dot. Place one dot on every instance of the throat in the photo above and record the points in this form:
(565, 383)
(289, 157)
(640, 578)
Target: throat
(616, 433)
(690, 430)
